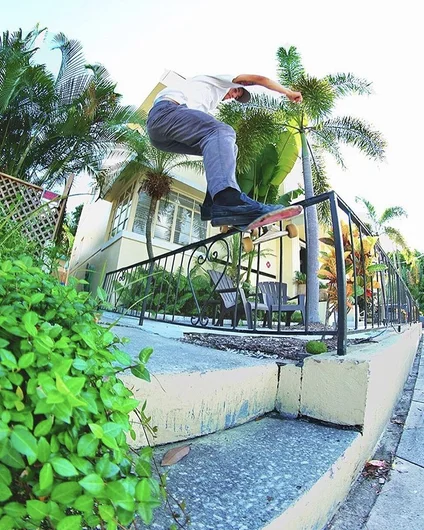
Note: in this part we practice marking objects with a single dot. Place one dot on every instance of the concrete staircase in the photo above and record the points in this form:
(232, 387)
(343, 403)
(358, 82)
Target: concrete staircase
(255, 461)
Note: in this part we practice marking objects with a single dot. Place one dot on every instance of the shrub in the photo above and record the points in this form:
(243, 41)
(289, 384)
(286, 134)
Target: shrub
(64, 414)
(315, 347)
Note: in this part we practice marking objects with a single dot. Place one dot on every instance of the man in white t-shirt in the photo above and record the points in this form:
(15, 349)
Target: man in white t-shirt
(179, 122)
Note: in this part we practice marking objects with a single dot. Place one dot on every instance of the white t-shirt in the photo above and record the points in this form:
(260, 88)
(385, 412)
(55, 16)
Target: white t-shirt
(202, 92)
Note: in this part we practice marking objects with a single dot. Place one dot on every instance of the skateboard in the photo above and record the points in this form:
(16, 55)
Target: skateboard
(267, 221)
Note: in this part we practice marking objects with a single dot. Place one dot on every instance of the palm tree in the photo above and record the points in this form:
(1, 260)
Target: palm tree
(52, 127)
(153, 167)
(379, 225)
(319, 132)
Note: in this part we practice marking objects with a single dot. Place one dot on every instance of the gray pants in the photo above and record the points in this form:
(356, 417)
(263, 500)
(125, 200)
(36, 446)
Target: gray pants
(178, 129)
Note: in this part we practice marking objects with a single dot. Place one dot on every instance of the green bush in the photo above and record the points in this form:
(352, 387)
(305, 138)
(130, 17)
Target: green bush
(315, 347)
(64, 414)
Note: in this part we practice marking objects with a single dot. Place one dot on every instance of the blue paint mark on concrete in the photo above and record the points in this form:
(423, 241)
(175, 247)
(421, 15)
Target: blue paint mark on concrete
(244, 411)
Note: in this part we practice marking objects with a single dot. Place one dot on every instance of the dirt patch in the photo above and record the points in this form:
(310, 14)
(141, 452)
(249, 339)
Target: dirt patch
(260, 347)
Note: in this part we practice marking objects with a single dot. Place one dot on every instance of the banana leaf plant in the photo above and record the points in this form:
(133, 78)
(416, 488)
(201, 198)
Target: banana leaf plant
(271, 167)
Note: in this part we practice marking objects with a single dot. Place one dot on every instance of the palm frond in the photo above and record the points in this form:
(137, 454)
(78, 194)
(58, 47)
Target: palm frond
(72, 64)
(290, 68)
(393, 212)
(318, 97)
(325, 140)
(395, 236)
(321, 183)
(347, 84)
(357, 133)
(371, 212)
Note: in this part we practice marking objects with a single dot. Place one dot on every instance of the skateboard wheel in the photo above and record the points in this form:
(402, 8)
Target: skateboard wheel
(247, 244)
(292, 231)
(224, 229)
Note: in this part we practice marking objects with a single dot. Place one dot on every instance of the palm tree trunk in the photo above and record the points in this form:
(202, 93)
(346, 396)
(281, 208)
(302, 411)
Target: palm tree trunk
(312, 265)
(149, 221)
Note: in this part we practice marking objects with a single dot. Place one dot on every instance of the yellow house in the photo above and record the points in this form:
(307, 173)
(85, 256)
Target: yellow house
(111, 232)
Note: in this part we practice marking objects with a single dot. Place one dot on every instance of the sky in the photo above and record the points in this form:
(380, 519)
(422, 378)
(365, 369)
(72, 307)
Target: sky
(137, 40)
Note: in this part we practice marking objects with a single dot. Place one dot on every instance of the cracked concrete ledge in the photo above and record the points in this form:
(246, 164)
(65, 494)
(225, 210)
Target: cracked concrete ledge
(356, 510)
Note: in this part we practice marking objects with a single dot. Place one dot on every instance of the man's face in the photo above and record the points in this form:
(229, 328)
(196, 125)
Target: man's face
(234, 93)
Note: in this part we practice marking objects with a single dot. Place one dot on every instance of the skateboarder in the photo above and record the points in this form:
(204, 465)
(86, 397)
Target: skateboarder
(179, 122)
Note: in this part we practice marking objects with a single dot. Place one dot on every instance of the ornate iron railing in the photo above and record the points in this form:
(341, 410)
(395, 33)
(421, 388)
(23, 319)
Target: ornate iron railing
(214, 284)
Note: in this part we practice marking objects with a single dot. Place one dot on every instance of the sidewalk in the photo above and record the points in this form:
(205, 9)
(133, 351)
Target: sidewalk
(400, 503)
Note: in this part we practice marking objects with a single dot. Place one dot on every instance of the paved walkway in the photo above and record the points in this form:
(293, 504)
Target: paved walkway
(401, 501)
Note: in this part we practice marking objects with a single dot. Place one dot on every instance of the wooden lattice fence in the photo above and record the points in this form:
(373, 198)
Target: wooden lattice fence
(39, 212)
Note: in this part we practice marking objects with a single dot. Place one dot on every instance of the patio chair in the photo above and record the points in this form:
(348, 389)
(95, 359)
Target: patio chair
(275, 295)
(230, 295)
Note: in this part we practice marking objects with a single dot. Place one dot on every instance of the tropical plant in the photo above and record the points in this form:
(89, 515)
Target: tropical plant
(379, 224)
(319, 133)
(51, 126)
(151, 166)
(266, 153)
(64, 413)
(361, 269)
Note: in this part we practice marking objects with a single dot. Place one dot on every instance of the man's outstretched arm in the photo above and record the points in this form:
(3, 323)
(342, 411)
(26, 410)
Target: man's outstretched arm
(252, 79)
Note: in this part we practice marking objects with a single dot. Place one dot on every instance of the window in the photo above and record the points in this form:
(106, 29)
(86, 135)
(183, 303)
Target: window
(122, 211)
(177, 219)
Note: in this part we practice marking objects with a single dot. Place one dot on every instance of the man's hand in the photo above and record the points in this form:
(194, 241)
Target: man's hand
(295, 97)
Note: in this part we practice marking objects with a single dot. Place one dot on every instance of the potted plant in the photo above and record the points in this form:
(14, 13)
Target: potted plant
(300, 281)
(323, 293)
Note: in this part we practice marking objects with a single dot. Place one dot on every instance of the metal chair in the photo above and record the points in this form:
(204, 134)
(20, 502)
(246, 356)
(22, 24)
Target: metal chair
(230, 296)
(275, 295)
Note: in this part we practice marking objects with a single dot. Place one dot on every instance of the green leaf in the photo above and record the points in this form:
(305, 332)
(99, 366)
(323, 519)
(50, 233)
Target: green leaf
(143, 491)
(112, 429)
(24, 442)
(8, 359)
(141, 372)
(143, 468)
(122, 357)
(84, 503)
(83, 465)
(63, 467)
(87, 445)
(72, 522)
(46, 476)
(93, 484)
(43, 344)
(106, 512)
(37, 510)
(79, 364)
(145, 354)
(30, 320)
(5, 475)
(106, 469)
(44, 450)
(15, 510)
(26, 360)
(96, 430)
(13, 459)
(146, 512)
(36, 298)
(4, 430)
(5, 492)
(116, 492)
(66, 493)
(44, 427)
(7, 523)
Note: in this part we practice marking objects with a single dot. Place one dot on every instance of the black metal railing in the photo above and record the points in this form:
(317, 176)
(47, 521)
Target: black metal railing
(215, 284)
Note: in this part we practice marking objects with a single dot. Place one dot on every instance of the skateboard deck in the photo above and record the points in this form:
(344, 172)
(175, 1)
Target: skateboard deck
(267, 220)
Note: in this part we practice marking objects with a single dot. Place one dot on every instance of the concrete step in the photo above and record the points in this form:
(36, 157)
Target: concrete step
(267, 474)
(196, 390)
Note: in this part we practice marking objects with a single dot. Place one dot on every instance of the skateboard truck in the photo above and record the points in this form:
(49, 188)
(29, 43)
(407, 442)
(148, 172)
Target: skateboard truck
(250, 232)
